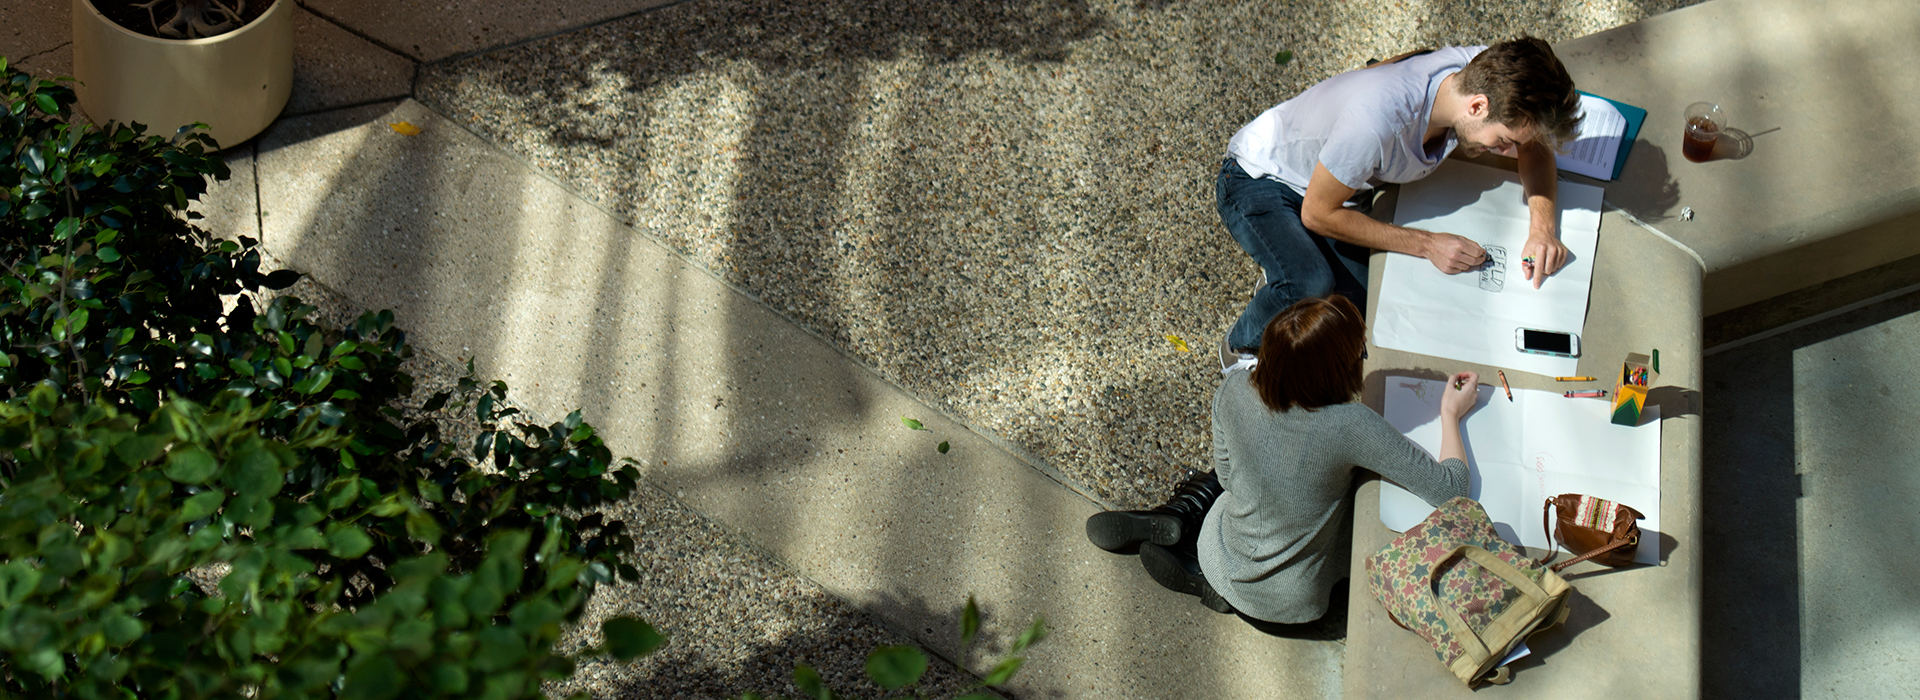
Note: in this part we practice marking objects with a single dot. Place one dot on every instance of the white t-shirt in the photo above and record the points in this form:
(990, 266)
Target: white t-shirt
(1366, 126)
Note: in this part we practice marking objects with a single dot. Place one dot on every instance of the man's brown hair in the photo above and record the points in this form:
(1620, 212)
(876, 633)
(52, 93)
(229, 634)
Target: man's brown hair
(1525, 86)
(1310, 355)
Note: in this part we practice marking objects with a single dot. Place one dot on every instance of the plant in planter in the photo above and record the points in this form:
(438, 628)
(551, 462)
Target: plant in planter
(195, 19)
(165, 63)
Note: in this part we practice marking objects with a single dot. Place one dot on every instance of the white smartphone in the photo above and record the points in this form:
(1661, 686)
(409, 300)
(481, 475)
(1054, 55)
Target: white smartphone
(1539, 342)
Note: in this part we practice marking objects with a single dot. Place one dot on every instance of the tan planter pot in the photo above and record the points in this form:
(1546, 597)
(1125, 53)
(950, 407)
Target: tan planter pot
(236, 82)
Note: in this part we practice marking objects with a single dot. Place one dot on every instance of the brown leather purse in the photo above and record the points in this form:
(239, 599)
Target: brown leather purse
(1592, 528)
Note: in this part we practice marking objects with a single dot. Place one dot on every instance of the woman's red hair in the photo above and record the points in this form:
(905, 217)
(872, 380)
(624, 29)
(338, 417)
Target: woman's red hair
(1310, 355)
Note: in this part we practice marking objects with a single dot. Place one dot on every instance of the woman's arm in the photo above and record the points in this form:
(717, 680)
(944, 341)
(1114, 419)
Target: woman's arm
(1462, 390)
(1381, 448)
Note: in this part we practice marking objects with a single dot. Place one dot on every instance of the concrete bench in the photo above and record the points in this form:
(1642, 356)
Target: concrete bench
(1821, 177)
(1818, 180)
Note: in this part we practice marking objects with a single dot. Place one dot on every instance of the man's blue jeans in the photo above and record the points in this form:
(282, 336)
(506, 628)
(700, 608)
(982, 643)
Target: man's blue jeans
(1264, 217)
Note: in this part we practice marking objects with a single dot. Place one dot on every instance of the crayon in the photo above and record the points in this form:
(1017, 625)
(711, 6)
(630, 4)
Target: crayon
(1503, 385)
(1590, 394)
(1573, 379)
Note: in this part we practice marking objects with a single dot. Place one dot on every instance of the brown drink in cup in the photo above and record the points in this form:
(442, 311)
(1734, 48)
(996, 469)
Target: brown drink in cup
(1704, 120)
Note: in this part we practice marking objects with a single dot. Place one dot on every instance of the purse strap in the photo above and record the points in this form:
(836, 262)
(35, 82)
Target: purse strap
(1553, 543)
(1470, 641)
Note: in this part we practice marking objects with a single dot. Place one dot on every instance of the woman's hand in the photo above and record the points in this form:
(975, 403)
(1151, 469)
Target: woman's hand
(1463, 390)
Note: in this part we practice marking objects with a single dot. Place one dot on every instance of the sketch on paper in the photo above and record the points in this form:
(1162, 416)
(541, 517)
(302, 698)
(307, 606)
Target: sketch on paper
(1493, 272)
(1471, 316)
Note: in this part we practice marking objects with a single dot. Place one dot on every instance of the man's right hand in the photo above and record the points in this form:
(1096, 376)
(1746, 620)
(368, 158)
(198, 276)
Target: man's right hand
(1453, 254)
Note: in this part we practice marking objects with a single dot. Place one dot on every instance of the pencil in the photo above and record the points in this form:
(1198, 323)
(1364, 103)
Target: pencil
(1573, 379)
(1503, 385)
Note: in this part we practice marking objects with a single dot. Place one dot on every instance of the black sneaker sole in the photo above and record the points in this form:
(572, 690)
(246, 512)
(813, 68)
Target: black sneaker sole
(1118, 530)
(1166, 569)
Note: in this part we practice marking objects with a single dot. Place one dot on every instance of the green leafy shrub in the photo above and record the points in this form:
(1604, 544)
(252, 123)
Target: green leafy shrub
(164, 412)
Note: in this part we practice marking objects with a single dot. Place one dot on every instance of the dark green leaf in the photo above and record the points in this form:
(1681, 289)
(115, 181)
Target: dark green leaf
(448, 677)
(375, 677)
(200, 505)
(348, 542)
(46, 104)
(121, 629)
(1283, 58)
(109, 255)
(315, 381)
(1035, 632)
(1004, 671)
(809, 682)
(281, 279)
(629, 638)
(190, 465)
(18, 579)
(254, 471)
(140, 449)
(969, 622)
(329, 414)
(942, 447)
(896, 666)
(342, 492)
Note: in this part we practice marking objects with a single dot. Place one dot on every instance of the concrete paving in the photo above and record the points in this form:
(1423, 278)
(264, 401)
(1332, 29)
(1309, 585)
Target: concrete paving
(430, 30)
(1810, 495)
(737, 411)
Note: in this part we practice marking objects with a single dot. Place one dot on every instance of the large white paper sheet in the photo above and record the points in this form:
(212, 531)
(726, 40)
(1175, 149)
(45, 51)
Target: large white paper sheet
(1472, 316)
(1523, 452)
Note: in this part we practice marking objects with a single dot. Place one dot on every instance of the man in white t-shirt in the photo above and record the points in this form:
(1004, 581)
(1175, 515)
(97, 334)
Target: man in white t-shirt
(1285, 187)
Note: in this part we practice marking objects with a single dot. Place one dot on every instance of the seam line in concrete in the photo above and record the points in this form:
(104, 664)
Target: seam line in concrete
(259, 218)
(1662, 234)
(1810, 320)
(363, 35)
(353, 105)
(1031, 460)
(15, 63)
(551, 34)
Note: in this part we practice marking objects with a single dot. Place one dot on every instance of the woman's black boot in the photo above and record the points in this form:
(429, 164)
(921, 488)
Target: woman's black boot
(1179, 572)
(1178, 519)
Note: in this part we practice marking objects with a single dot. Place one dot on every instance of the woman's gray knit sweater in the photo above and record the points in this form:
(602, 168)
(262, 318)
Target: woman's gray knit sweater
(1278, 539)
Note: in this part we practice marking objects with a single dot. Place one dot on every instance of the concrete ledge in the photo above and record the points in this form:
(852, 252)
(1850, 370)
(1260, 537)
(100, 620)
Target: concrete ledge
(1822, 176)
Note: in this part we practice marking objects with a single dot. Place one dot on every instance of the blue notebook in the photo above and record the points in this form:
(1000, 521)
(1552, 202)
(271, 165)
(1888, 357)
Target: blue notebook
(1635, 116)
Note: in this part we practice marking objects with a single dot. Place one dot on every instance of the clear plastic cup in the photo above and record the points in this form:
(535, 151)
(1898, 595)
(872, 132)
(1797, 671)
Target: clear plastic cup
(1704, 123)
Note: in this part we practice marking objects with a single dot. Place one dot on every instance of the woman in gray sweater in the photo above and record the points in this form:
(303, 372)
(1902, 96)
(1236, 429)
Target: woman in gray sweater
(1287, 437)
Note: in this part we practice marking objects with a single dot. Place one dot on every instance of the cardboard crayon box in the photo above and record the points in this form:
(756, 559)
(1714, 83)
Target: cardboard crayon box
(1630, 392)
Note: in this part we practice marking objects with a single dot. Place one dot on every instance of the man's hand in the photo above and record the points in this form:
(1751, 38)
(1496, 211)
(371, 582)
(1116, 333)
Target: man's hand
(1454, 254)
(1542, 256)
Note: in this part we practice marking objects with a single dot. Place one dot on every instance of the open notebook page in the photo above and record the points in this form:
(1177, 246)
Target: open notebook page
(1598, 144)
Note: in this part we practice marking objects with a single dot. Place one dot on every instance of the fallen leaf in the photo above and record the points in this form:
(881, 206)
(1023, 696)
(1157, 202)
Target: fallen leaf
(405, 129)
(1283, 58)
(1179, 344)
(943, 448)
(911, 423)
